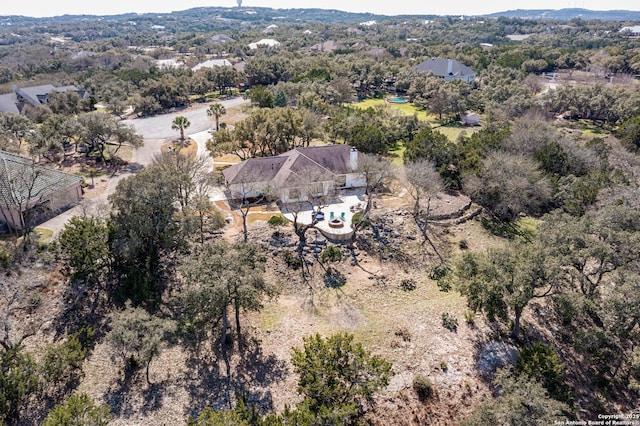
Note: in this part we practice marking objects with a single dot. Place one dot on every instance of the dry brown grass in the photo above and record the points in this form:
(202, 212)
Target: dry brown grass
(188, 147)
(372, 305)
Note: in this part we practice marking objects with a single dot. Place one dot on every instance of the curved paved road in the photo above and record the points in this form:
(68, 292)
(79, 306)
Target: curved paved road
(157, 129)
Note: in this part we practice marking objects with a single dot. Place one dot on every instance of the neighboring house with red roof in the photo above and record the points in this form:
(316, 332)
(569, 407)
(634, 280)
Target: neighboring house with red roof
(448, 69)
(283, 175)
(34, 96)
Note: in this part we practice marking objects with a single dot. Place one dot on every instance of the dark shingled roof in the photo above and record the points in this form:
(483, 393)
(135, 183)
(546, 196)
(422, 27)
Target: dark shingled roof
(320, 161)
(439, 67)
(34, 95)
(17, 174)
(254, 170)
(8, 103)
(331, 157)
(221, 38)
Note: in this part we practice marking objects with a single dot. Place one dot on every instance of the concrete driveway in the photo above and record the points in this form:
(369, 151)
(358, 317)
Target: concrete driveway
(156, 129)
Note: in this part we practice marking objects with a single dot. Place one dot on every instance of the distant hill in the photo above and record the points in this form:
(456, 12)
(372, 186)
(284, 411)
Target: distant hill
(225, 13)
(257, 14)
(567, 14)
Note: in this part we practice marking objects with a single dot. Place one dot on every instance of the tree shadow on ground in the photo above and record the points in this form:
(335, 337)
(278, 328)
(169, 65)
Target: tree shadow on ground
(117, 396)
(153, 396)
(493, 352)
(256, 371)
(252, 372)
(131, 394)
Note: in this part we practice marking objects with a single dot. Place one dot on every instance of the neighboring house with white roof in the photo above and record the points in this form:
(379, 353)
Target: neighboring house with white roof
(265, 42)
(34, 96)
(270, 29)
(283, 175)
(26, 187)
(212, 63)
(169, 64)
(448, 69)
(631, 31)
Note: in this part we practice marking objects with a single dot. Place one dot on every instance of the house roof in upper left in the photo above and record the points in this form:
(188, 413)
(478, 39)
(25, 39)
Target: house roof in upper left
(8, 103)
(34, 95)
(17, 174)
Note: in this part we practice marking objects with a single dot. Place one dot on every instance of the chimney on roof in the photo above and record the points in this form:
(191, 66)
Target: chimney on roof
(449, 67)
(353, 159)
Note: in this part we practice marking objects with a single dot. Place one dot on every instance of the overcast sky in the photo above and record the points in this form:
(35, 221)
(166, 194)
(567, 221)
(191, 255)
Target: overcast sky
(40, 8)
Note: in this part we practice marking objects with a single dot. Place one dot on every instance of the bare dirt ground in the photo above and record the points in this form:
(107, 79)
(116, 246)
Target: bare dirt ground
(403, 326)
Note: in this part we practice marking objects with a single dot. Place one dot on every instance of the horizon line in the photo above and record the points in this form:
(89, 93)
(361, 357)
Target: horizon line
(311, 8)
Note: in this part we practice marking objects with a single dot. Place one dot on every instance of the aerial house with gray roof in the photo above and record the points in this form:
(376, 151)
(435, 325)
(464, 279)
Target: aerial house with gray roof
(30, 193)
(448, 69)
(282, 175)
(35, 96)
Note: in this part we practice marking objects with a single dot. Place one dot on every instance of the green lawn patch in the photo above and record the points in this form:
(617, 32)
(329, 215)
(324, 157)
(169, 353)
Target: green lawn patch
(397, 154)
(453, 132)
(45, 234)
(406, 109)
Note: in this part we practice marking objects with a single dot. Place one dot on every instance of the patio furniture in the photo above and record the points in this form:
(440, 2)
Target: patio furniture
(336, 223)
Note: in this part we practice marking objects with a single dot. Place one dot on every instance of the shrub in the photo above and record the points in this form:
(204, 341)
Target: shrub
(334, 373)
(469, 317)
(422, 386)
(291, 259)
(216, 220)
(357, 217)
(449, 321)
(62, 363)
(19, 381)
(5, 259)
(404, 334)
(444, 284)
(334, 278)
(408, 284)
(438, 272)
(541, 362)
(78, 409)
(332, 254)
(463, 244)
(277, 220)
